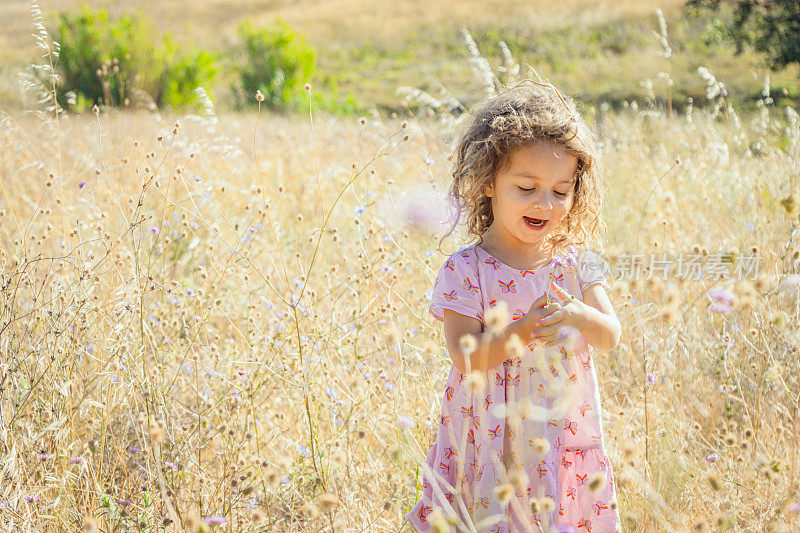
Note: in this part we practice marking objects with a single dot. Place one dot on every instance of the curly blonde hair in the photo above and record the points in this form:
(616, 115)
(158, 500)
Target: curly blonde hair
(525, 113)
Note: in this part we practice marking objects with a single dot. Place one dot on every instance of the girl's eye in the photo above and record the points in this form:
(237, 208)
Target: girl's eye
(562, 194)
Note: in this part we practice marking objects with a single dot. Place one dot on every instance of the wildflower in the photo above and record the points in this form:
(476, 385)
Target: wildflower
(134, 449)
(81, 185)
(651, 378)
(76, 460)
(791, 284)
(216, 520)
(259, 96)
(124, 503)
(171, 465)
(719, 308)
(712, 457)
(43, 456)
(721, 295)
(31, 499)
(423, 208)
(155, 230)
(795, 508)
(359, 209)
(405, 421)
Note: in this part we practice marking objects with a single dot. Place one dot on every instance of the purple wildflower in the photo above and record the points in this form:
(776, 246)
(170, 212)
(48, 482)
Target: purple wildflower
(81, 185)
(721, 295)
(134, 449)
(719, 308)
(43, 456)
(76, 460)
(155, 229)
(31, 499)
(171, 465)
(405, 421)
(651, 378)
(712, 457)
(216, 520)
(124, 503)
(795, 507)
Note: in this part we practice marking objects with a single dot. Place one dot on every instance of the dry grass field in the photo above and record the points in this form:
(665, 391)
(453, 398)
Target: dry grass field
(219, 321)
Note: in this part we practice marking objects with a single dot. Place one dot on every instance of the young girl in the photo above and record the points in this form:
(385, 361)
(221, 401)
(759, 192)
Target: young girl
(520, 441)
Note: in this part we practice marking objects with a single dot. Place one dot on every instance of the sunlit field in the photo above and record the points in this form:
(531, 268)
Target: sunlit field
(219, 321)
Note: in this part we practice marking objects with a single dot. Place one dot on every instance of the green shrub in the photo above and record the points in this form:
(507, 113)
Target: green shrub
(112, 63)
(276, 61)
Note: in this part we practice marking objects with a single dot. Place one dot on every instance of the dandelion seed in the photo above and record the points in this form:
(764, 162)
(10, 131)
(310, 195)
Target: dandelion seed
(504, 492)
(216, 520)
(468, 344)
(514, 346)
(597, 481)
(497, 317)
(518, 479)
(327, 501)
(547, 504)
(476, 382)
(540, 445)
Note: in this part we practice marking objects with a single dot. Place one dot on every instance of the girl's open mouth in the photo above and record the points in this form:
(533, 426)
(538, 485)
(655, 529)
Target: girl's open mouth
(535, 223)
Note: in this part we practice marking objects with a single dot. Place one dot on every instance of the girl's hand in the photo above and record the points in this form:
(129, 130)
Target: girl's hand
(567, 311)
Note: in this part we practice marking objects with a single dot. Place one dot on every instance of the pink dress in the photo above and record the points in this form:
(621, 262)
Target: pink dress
(547, 394)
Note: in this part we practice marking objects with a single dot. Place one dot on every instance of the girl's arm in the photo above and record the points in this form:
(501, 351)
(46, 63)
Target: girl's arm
(601, 327)
(489, 347)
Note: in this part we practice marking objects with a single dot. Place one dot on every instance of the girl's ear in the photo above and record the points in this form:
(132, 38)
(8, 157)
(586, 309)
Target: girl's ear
(488, 190)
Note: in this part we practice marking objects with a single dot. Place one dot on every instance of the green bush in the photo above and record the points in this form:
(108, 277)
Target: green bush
(112, 63)
(276, 61)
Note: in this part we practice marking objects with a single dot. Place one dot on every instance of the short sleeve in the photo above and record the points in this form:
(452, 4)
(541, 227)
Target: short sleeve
(592, 268)
(457, 287)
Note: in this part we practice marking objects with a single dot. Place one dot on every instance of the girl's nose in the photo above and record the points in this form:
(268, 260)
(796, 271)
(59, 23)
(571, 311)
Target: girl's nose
(542, 200)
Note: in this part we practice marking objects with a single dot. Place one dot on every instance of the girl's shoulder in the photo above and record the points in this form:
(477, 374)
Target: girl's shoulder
(465, 257)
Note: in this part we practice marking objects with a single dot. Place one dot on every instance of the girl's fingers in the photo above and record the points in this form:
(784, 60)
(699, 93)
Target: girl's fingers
(560, 292)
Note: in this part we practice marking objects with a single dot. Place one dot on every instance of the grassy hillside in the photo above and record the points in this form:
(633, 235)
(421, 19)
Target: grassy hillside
(600, 51)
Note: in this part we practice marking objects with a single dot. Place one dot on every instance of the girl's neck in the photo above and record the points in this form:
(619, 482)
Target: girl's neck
(519, 255)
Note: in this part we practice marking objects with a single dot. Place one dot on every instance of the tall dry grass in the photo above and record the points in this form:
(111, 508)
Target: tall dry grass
(221, 321)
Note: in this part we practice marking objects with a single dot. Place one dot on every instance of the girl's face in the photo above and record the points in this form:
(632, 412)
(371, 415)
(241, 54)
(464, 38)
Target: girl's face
(532, 195)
